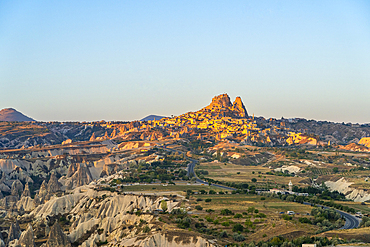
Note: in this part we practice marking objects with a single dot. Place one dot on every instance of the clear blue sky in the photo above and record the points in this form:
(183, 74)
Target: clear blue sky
(123, 60)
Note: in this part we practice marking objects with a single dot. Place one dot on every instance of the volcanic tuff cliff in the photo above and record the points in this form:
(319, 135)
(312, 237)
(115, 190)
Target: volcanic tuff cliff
(98, 216)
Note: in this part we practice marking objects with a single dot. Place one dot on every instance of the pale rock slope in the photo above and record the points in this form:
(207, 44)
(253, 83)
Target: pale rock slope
(99, 216)
(343, 186)
(57, 205)
(160, 239)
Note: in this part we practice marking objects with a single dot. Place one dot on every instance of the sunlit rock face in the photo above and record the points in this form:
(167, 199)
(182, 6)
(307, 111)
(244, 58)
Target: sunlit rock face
(365, 141)
(239, 108)
(300, 138)
(221, 104)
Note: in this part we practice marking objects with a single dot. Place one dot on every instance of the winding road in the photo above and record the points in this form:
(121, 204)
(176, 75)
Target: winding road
(198, 180)
(191, 167)
(351, 221)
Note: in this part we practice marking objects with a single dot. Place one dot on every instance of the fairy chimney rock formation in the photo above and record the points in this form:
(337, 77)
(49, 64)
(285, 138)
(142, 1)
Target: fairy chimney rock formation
(14, 232)
(92, 138)
(71, 170)
(27, 238)
(57, 237)
(53, 185)
(26, 191)
(17, 188)
(83, 175)
(41, 196)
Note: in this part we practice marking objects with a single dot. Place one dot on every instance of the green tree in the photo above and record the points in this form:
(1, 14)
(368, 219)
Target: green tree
(238, 237)
(251, 209)
(238, 228)
(223, 234)
(164, 205)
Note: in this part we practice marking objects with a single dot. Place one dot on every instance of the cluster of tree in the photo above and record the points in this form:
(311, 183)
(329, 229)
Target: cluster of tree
(151, 175)
(280, 241)
(240, 186)
(198, 144)
(183, 222)
(337, 206)
(201, 173)
(365, 222)
(165, 164)
(283, 242)
(328, 219)
(311, 199)
(299, 154)
(284, 174)
(322, 193)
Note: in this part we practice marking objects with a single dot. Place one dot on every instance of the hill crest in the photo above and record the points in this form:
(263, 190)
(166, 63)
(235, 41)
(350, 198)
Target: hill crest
(11, 114)
(152, 117)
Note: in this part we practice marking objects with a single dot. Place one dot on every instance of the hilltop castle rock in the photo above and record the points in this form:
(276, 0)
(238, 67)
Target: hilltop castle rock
(221, 105)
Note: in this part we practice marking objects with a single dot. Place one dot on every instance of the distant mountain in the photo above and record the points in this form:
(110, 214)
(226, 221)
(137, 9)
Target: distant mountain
(152, 117)
(10, 114)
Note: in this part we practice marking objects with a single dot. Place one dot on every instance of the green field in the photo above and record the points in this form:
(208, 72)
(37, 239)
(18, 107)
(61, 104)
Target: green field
(242, 202)
(263, 228)
(160, 188)
(244, 174)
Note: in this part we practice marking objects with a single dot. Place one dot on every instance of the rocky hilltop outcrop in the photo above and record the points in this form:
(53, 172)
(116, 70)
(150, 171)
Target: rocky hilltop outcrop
(222, 105)
(239, 107)
(11, 115)
(365, 141)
